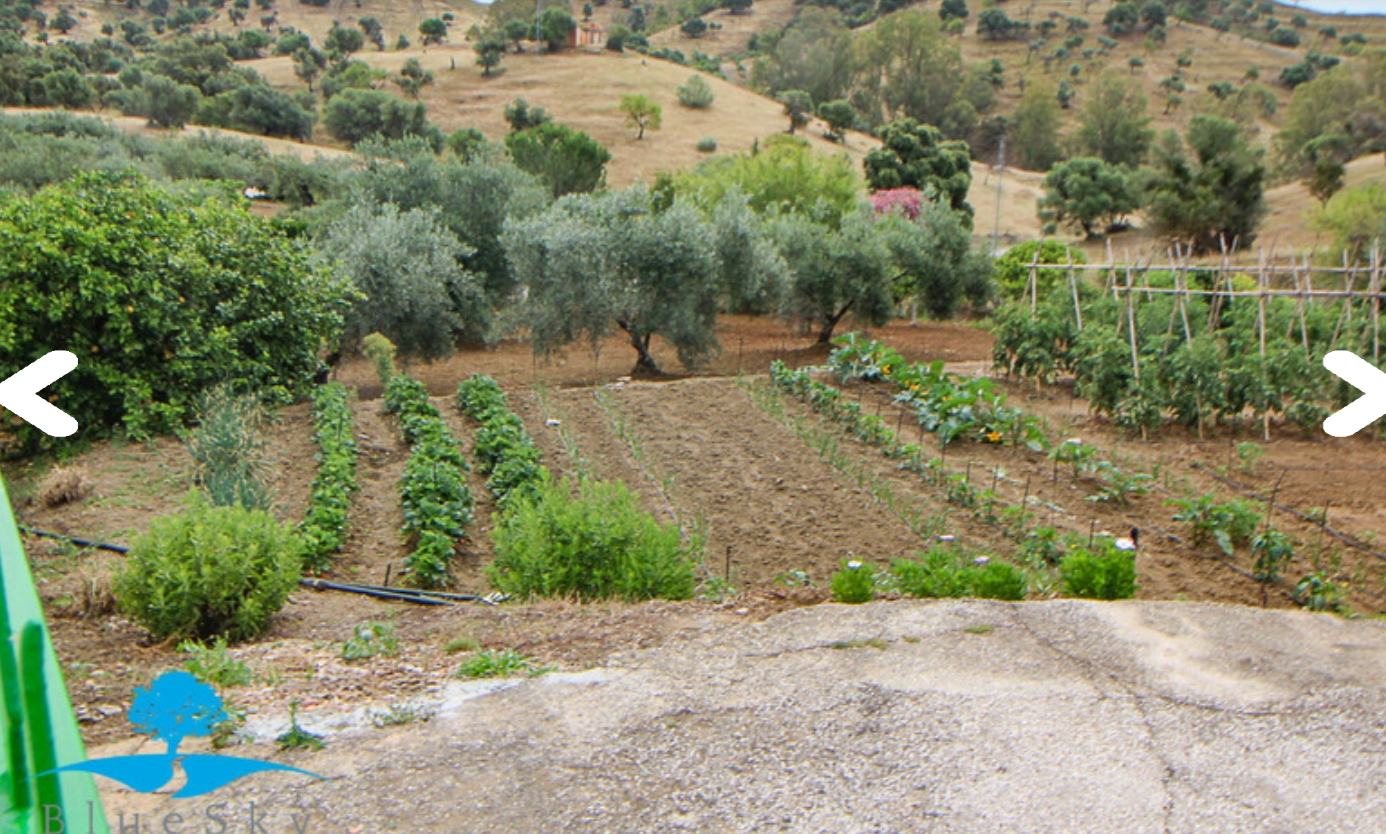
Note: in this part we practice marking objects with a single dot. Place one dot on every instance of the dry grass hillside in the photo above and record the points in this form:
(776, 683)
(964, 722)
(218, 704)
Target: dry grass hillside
(584, 90)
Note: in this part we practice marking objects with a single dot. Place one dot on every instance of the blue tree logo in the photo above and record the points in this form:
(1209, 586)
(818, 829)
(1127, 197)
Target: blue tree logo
(175, 706)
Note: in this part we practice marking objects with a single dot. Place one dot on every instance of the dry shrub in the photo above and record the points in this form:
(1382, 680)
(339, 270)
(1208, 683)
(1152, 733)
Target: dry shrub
(63, 485)
(95, 578)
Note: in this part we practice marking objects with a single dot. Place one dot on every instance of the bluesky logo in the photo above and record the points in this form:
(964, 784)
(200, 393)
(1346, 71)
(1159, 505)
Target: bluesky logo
(174, 707)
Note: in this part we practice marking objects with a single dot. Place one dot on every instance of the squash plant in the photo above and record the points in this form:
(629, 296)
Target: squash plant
(324, 527)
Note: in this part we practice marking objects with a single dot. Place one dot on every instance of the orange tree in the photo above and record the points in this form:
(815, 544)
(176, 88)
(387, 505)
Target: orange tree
(161, 296)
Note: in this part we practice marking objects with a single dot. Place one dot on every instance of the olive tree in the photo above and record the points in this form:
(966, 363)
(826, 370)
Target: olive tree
(408, 268)
(597, 264)
(833, 272)
(753, 274)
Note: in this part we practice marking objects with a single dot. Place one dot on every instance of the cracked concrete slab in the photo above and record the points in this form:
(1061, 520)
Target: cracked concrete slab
(949, 716)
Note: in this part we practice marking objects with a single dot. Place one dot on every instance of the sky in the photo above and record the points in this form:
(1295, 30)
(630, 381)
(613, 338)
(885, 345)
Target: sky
(1350, 6)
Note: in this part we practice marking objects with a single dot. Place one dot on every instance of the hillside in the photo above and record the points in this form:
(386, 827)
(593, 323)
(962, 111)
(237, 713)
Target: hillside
(563, 85)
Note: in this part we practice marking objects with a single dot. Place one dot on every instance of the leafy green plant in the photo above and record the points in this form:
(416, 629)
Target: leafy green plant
(370, 640)
(942, 572)
(855, 583)
(1318, 592)
(213, 664)
(1229, 524)
(1248, 454)
(501, 664)
(324, 526)
(503, 448)
(1106, 574)
(1271, 551)
(595, 544)
(1120, 487)
(297, 738)
(209, 571)
(433, 490)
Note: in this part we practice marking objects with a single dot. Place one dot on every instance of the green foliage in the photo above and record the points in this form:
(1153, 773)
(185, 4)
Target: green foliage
(433, 489)
(942, 572)
(933, 260)
(501, 664)
(707, 144)
(914, 155)
(813, 55)
(1087, 194)
(408, 268)
(86, 266)
(228, 450)
(472, 200)
(381, 353)
(1214, 197)
(1107, 574)
(1271, 552)
(641, 113)
(504, 450)
(697, 93)
(209, 571)
(369, 640)
(212, 664)
(599, 263)
(784, 175)
(165, 102)
(521, 116)
(595, 544)
(834, 272)
(855, 583)
(297, 738)
(1036, 125)
(840, 116)
(1114, 126)
(1355, 216)
(1229, 524)
(490, 51)
(355, 115)
(1318, 592)
(433, 31)
(798, 106)
(258, 109)
(1012, 273)
(556, 25)
(568, 161)
(324, 527)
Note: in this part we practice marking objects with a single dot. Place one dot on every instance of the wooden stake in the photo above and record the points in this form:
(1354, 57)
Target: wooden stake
(1073, 285)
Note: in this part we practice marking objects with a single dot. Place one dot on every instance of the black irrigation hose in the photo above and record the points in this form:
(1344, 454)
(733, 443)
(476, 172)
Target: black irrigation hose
(413, 592)
(378, 593)
(114, 548)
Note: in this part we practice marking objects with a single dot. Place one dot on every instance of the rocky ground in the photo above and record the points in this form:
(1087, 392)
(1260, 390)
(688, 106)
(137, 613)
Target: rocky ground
(958, 716)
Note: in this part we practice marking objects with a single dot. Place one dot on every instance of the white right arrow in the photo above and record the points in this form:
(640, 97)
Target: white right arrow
(19, 393)
(1366, 378)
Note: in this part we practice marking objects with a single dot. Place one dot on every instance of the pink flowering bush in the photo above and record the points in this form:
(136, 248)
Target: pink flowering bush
(905, 201)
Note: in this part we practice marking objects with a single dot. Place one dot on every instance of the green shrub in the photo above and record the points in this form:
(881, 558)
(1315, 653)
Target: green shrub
(1229, 524)
(697, 93)
(1109, 574)
(855, 583)
(209, 571)
(381, 353)
(213, 664)
(228, 450)
(596, 544)
(707, 144)
(171, 295)
(942, 573)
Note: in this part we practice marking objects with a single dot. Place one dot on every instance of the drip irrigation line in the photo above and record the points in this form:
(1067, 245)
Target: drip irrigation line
(114, 548)
(1340, 536)
(377, 593)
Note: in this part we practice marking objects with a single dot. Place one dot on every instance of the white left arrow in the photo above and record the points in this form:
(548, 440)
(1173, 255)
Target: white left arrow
(19, 393)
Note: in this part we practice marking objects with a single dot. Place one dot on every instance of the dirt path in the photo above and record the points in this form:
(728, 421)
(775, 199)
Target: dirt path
(905, 716)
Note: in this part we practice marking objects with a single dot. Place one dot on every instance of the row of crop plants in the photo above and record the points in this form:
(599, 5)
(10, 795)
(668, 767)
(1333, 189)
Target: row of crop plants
(1182, 357)
(324, 527)
(948, 571)
(955, 407)
(586, 540)
(433, 490)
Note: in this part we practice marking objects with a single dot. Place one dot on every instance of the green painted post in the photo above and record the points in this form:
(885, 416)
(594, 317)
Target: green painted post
(37, 726)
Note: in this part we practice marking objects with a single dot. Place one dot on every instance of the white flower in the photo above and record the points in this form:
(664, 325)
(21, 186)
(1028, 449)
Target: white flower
(854, 564)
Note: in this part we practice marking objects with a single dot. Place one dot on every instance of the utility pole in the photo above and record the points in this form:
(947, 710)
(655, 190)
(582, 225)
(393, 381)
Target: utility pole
(1000, 177)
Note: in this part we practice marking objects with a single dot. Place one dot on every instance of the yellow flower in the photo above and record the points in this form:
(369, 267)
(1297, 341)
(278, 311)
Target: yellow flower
(994, 436)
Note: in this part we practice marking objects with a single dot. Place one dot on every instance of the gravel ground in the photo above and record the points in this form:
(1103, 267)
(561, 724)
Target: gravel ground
(957, 716)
